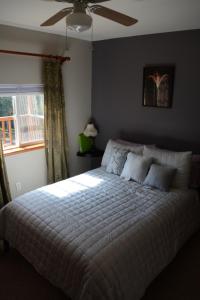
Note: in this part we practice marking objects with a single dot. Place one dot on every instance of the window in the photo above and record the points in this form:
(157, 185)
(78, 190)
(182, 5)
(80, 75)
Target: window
(21, 115)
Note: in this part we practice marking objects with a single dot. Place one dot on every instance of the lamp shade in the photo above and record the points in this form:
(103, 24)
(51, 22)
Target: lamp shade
(90, 130)
(78, 21)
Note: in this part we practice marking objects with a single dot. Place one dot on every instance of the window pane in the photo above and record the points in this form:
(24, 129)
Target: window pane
(6, 106)
(21, 114)
(30, 118)
(7, 121)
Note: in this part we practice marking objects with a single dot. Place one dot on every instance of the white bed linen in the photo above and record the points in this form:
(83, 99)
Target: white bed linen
(99, 237)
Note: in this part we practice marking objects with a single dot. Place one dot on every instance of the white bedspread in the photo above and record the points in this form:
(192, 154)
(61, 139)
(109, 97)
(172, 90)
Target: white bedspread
(97, 236)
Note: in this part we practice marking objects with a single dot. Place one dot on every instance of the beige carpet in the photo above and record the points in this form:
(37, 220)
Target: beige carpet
(179, 281)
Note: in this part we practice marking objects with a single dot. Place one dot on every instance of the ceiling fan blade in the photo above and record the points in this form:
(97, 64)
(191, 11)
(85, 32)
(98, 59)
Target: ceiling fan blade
(112, 15)
(57, 17)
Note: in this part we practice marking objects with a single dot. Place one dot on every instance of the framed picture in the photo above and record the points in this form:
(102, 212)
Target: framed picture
(158, 86)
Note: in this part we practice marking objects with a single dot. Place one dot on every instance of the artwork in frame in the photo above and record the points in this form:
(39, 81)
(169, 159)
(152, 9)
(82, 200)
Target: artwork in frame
(158, 86)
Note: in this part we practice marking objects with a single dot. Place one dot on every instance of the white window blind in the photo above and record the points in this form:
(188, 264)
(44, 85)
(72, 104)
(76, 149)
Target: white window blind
(15, 89)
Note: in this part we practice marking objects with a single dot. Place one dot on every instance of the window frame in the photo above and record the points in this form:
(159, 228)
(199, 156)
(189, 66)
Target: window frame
(17, 90)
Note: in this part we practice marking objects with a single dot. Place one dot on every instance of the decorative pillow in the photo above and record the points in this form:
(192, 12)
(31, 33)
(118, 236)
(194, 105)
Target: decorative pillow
(181, 161)
(160, 177)
(136, 167)
(117, 161)
(136, 148)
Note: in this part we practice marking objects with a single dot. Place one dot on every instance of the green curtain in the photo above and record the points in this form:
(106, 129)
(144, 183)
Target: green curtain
(54, 122)
(5, 196)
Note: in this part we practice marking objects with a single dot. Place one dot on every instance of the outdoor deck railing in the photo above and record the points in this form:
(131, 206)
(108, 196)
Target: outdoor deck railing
(6, 129)
(31, 129)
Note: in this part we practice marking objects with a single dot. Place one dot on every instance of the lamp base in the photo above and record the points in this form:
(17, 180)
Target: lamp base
(86, 143)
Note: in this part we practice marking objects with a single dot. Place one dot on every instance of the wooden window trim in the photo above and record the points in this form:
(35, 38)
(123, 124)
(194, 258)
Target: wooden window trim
(22, 149)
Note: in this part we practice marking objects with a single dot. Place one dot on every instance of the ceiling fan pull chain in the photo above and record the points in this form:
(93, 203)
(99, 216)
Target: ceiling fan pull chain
(66, 40)
(92, 35)
(92, 29)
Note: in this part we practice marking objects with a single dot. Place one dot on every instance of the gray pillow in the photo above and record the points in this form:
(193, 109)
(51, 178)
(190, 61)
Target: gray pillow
(181, 161)
(136, 167)
(160, 177)
(117, 161)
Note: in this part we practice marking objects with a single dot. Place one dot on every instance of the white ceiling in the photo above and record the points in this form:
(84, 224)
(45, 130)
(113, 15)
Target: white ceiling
(154, 16)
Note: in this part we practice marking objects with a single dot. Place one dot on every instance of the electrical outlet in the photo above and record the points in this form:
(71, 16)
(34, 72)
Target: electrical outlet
(18, 186)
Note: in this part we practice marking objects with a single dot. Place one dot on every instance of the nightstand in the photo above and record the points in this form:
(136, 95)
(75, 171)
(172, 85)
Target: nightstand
(95, 157)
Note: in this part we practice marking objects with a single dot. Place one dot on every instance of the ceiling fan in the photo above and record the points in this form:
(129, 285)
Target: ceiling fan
(78, 16)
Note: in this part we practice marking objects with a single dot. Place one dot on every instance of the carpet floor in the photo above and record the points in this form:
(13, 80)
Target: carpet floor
(179, 281)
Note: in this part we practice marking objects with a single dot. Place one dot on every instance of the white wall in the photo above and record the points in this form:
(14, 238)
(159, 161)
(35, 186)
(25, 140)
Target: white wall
(77, 85)
(28, 169)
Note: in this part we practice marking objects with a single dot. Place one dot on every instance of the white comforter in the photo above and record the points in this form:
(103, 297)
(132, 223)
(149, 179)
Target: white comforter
(97, 236)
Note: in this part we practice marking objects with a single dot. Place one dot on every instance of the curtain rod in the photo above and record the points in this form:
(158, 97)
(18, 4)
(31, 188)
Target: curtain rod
(62, 59)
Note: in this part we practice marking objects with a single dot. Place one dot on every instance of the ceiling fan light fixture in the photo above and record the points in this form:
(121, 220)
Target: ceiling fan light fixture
(78, 21)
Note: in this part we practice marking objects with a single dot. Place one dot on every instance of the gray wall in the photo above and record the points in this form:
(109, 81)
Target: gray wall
(117, 90)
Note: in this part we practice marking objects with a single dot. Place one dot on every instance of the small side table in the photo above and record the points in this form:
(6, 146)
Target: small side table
(95, 157)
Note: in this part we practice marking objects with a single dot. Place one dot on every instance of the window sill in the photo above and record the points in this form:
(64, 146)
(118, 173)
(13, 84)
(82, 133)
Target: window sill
(19, 150)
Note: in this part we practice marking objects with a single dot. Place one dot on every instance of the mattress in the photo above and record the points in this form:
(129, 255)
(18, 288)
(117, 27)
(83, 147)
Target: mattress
(97, 236)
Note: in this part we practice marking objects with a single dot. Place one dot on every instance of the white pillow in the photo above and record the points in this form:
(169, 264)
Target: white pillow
(181, 161)
(136, 148)
(128, 143)
(136, 167)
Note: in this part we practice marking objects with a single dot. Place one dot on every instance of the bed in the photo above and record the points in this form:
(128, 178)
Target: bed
(99, 237)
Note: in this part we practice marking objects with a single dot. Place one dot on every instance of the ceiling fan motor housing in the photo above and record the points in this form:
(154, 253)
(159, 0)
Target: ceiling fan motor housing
(78, 21)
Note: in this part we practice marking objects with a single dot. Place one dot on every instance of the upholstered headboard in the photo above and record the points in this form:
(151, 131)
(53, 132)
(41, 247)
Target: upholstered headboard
(195, 173)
